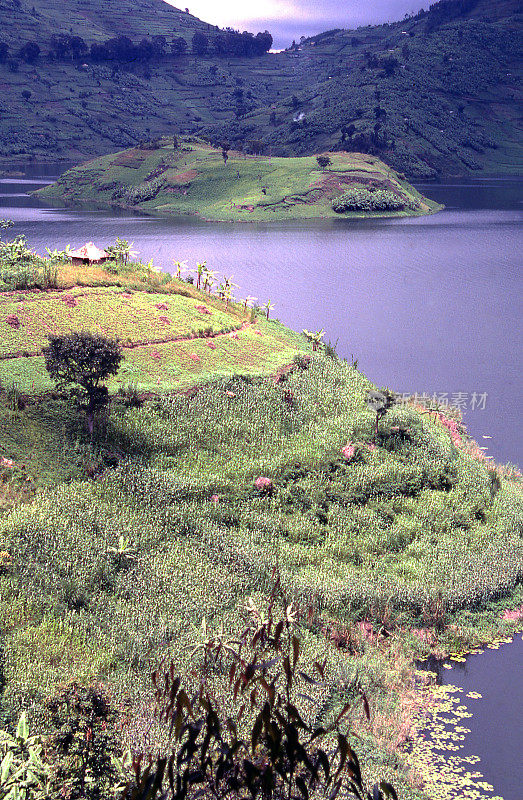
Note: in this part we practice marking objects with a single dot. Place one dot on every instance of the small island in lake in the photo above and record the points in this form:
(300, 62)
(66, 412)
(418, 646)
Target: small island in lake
(192, 177)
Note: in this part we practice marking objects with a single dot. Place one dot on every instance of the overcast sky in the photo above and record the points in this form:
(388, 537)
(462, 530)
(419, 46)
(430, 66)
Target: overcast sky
(290, 19)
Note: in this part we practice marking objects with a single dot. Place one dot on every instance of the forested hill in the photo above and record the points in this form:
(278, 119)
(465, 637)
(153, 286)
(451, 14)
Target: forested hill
(434, 94)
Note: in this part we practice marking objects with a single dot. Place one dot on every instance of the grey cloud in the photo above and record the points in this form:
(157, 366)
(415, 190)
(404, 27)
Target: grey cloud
(313, 17)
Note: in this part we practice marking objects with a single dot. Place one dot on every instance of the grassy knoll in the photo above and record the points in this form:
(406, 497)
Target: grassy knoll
(410, 533)
(174, 337)
(193, 179)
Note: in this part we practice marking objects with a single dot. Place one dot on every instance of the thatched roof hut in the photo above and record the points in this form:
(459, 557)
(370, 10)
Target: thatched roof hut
(89, 254)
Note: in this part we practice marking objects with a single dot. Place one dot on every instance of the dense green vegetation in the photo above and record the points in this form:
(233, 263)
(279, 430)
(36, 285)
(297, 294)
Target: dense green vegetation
(408, 528)
(433, 94)
(387, 528)
(191, 177)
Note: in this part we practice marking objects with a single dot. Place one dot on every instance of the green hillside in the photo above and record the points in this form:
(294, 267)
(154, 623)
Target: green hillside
(433, 94)
(39, 20)
(395, 538)
(195, 178)
(173, 335)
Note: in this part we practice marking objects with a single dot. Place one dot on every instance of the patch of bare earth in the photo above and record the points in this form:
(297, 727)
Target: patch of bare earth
(183, 178)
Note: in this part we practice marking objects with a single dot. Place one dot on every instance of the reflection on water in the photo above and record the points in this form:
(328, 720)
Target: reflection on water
(426, 304)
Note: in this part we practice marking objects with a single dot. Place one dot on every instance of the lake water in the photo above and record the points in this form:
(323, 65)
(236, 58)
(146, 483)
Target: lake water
(490, 689)
(427, 304)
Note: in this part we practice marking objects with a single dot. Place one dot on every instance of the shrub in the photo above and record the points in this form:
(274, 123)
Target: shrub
(362, 199)
(83, 361)
(83, 750)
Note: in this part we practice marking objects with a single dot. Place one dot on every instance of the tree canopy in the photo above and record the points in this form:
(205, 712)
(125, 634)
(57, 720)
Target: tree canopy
(80, 362)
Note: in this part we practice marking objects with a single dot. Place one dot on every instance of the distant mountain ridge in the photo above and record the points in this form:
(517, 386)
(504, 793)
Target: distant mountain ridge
(433, 94)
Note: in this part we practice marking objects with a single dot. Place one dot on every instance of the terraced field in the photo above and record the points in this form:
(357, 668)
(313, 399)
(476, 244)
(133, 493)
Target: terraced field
(170, 341)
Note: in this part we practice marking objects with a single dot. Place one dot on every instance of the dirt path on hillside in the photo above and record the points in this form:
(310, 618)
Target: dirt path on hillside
(143, 343)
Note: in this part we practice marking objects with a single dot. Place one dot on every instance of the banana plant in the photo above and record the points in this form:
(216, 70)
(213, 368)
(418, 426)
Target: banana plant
(124, 551)
(200, 270)
(249, 300)
(209, 278)
(227, 294)
(58, 256)
(229, 282)
(23, 774)
(268, 306)
(181, 266)
(315, 337)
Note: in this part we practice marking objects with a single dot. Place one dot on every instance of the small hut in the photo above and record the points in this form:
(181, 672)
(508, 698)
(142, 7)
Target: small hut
(89, 254)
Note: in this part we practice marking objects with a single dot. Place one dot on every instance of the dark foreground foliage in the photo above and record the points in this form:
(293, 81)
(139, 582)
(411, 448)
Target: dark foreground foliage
(250, 740)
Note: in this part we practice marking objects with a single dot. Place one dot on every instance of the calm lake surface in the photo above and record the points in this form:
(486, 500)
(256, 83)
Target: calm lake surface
(427, 304)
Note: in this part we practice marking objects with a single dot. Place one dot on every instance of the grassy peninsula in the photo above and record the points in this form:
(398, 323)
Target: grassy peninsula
(197, 179)
(394, 539)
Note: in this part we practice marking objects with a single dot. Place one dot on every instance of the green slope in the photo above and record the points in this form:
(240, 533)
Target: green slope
(194, 179)
(107, 576)
(447, 106)
(94, 21)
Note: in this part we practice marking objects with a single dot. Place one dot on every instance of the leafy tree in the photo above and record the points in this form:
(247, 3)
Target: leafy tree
(121, 49)
(80, 362)
(29, 52)
(225, 151)
(99, 52)
(178, 46)
(200, 44)
(256, 147)
(264, 42)
(256, 737)
(78, 47)
(4, 50)
(65, 46)
(26, 94)
(323, 162)
(380, 402)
